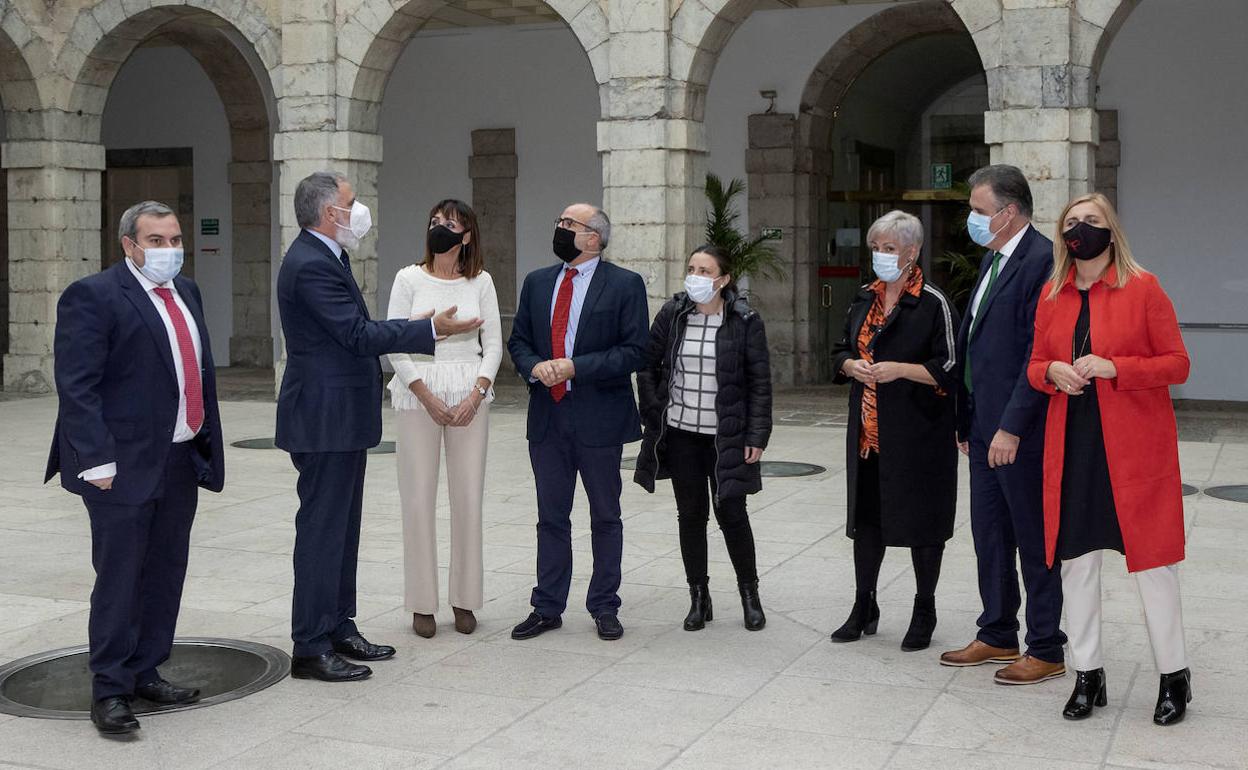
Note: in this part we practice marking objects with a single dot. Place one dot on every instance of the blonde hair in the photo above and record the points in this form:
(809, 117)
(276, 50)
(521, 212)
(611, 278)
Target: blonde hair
(1119, 250)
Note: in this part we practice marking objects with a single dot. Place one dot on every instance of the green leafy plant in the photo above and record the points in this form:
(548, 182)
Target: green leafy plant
(961, 268)
(747, 256)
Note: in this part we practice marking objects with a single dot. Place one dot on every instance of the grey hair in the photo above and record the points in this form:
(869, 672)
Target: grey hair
(601, 224)
(905, 227)
(314, 193)
(1008, 185)
(129, 226)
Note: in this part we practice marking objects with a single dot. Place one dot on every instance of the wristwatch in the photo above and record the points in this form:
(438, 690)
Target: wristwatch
(484, 393)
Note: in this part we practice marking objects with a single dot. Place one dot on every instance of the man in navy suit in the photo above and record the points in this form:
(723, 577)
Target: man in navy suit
(329, 415)
(137, 433)
(1001, 427)
(581, 330)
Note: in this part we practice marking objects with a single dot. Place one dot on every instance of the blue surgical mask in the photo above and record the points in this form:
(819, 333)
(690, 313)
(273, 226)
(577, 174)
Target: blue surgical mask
(886, 266)
(161, 265)
(700, 288)
(979, 226)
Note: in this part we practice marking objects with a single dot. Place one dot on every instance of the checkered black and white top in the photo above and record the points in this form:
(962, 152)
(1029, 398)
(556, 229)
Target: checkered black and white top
(692, 405)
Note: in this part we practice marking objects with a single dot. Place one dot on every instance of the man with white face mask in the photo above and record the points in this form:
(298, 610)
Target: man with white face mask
(329, 415)
(137, 434)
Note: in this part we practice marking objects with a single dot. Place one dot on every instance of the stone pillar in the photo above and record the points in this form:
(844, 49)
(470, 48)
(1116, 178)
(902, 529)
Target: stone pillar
(1108, 155)
(1040, 117)
(252, 342)
(492, 168)
(54, 239)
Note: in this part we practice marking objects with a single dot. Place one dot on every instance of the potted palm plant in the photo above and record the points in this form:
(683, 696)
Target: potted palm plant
(747, 256)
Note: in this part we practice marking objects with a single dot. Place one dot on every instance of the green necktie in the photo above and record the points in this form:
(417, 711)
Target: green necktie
(992, 278)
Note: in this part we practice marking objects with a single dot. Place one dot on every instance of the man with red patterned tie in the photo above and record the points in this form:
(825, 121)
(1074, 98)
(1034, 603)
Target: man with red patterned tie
(137, 433)
(580, 332)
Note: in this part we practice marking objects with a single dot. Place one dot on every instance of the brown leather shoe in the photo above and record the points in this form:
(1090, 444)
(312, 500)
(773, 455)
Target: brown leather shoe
(977, 653)
(424, 625)
(1029, 670)
(465, 621)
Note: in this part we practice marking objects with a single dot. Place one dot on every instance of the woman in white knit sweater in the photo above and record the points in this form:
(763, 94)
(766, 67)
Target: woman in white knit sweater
(444, 399)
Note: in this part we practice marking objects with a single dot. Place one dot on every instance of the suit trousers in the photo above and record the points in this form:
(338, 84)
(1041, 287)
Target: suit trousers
(1007, 519)
(557, 460)
(140, 555)
(327, 543)
(420, 443)
(1163, 612)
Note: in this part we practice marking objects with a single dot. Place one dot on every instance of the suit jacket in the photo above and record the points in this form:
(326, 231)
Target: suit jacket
(1001, 348)
(118, 389)
(330, 399)
(610, 345)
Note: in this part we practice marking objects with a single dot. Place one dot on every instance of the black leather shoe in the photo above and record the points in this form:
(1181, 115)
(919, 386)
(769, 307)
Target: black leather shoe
(699, 607)
(328, 667)
(864, 618)
(751, 606)
(112, 716)
(922, 624)
(358, 648)
(166, 694)
(1089, 691)
(1172, 697)
(535, 625)
(609, 628)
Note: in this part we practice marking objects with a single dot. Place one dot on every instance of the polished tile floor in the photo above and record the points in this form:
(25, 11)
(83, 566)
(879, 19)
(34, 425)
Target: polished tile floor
(784, 697)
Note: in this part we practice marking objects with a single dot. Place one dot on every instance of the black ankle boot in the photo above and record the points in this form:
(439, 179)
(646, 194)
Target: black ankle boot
(864, 618)
(752, 606)
(1172, 697)
(922, 624)
(1089, 692)
(699, 607)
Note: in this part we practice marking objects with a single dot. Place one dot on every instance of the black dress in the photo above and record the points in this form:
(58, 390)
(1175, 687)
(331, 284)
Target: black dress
(1089, 520)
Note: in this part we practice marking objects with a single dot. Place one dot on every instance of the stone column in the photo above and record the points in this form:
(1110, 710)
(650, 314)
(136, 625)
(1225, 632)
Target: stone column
(492, 168)
(252, 264)
(54, 239)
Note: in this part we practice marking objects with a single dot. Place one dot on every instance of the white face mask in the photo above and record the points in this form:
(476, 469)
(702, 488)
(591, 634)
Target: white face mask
(700, 288)
(887, 267)
(361, 222)
(160, 265)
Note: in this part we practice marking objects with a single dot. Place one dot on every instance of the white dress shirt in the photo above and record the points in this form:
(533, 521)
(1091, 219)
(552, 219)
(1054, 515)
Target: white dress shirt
(1005, 251)
(580, 288)
(181, 432)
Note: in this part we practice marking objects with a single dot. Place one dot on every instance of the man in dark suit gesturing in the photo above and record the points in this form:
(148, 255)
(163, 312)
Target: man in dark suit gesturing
(329, 414)
(1001, 427)
(580, 332)
(137, 433)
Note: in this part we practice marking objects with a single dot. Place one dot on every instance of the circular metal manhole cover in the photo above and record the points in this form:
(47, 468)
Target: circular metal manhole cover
(384, 448)
(771, 469)
(1236, 493)
(57, 684)
(1188, 490)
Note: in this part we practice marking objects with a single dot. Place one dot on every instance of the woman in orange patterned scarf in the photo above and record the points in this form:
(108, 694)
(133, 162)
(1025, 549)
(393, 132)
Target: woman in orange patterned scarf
(901, 455)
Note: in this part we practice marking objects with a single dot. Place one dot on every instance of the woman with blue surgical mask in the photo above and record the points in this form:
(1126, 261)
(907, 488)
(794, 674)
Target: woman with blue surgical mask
(901, 456)
(705, 398)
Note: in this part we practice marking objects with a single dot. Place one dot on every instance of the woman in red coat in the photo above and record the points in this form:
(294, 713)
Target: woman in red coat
(1107, 348)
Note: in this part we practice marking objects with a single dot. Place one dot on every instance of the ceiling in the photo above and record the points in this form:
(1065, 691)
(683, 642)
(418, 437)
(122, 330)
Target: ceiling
(491, 13)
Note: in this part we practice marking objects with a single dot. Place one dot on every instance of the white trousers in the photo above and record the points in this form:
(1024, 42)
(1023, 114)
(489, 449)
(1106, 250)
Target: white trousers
(1163, 613)
(420, 443)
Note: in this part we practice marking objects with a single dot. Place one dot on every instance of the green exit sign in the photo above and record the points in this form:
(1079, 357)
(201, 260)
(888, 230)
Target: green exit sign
(210, 227)
(771, 234)
(942, 176)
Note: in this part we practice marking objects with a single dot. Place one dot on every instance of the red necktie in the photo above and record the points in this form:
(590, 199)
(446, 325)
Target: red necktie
(559, 327)
(190, 367)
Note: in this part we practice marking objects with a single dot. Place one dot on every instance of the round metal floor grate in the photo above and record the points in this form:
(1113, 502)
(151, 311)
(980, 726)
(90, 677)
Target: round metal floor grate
(771, 469)
(384, 448)
(1189, 490)
(1236, 493)
(57, 684)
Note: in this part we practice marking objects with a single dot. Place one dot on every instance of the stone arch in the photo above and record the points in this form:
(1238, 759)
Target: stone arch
(372, 37)
(19, 94)
(237, 56)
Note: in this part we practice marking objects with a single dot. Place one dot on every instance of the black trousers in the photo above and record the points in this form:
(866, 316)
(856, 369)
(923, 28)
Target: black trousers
(691, 462)
(327, 542)
(869, 540)
(139, 553)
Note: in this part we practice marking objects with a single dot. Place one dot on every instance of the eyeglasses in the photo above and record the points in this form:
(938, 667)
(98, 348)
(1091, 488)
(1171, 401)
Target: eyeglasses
(567, 222)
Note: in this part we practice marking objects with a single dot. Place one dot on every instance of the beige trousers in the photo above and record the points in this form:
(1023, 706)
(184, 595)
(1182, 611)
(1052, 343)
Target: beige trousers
(1163, 613)
(420, 443)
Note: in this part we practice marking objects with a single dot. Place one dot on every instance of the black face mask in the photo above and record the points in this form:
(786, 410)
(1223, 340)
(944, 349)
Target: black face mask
(442, 239)
(565, 244)
(1085, 241)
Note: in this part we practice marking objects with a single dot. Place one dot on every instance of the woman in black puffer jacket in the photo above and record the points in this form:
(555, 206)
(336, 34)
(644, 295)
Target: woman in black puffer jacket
(705, 398)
